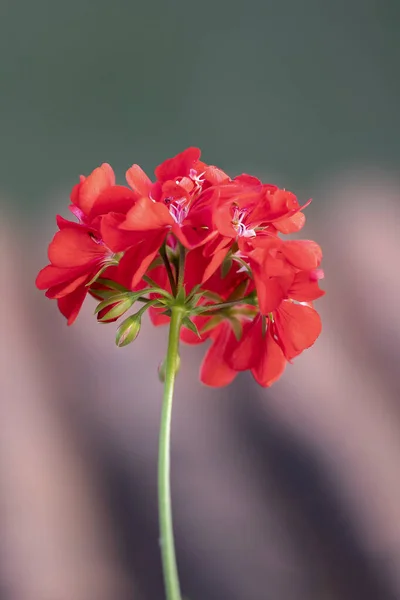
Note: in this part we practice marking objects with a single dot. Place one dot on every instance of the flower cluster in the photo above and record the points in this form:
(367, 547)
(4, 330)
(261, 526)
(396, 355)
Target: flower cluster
(196, 239)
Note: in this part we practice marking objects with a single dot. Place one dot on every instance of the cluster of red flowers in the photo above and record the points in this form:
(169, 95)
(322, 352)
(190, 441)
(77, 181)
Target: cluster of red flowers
(199, 239)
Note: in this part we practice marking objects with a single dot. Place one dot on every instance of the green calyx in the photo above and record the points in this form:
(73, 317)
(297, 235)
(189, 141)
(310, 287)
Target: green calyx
(129, 329)
(116, 300)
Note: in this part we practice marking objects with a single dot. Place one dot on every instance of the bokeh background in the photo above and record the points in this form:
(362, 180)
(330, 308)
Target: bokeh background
(290, 493)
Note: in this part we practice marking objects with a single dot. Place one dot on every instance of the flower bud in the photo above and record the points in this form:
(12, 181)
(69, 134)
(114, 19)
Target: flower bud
(128, 331)
(114, 307)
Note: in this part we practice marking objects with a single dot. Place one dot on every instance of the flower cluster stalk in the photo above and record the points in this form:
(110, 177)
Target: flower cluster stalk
(170, 571)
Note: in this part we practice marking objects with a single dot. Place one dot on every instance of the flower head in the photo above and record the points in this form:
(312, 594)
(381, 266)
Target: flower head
(196, 239)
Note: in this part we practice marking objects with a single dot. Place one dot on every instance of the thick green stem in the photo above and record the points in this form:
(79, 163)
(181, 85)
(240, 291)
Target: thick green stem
(170, 570)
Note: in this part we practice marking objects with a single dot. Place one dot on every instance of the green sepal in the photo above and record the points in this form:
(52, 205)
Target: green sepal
(113, 285)
(193, 293)
(213, 322)
(226, 266)
(117, 297)
(95, 277)
(243, 264)
(181, 296)
(189, 324)
(212, 296)
(252, 298)
(117, 309)
(103, 294)
(157, 262)
(237, 328)
(238, 291)
(195, 298)
(110, 263)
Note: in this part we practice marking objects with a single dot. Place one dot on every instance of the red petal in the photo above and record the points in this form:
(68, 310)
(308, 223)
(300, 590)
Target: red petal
(70, 305)
(135, 262)
(51, 276)
(195, 266)
(114, 237)
(297, 327)
(67, 287)
(157, 318)
(74, 196)
(246, 354)
(178, 166)
(138, 181)
(174, 191)
(147, 215)
(271, 363)
(74, 248)
(303, 254)
(214, 262)
(65, 224)
(100, 179)
(192, 236)
(215, 176)
(223, 220)
(291, 224)
(215, 370)
(272, 279)
(248, 180)
(304, 288)
(281, 203)
(117, 199)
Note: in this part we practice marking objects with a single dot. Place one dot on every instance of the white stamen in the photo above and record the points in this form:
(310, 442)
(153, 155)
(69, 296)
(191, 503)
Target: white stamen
(241, 228)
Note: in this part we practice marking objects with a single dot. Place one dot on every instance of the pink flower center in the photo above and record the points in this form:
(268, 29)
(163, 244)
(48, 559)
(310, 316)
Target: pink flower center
(178, 209)
(198, 179)
(242, 229)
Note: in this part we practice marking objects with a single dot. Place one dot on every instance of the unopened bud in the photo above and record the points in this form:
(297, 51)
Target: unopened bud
(113, 308)
(128, 331)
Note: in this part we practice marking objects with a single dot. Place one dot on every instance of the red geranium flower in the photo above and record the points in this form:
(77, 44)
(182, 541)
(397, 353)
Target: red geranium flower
(76, 254)
(77, 251)
(267, 342)
(180, 201)
(259, 352)
(275, 264)
(196, 239)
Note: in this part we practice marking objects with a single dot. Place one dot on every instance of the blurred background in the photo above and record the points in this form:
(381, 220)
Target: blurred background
(289, 493)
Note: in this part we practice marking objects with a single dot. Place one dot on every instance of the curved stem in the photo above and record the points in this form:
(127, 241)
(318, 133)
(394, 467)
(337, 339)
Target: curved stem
(170, 570)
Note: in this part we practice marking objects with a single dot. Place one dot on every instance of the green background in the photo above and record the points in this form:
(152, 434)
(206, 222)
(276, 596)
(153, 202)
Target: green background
(288, 90)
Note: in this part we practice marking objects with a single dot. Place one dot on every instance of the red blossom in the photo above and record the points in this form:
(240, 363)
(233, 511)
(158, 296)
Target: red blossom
(75, 255)
(197, 237)
(259, 352)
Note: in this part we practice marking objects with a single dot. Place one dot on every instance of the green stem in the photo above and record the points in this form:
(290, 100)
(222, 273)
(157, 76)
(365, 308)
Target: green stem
(181, 269)
(170, 570)
(163, 254)
(212, 307)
